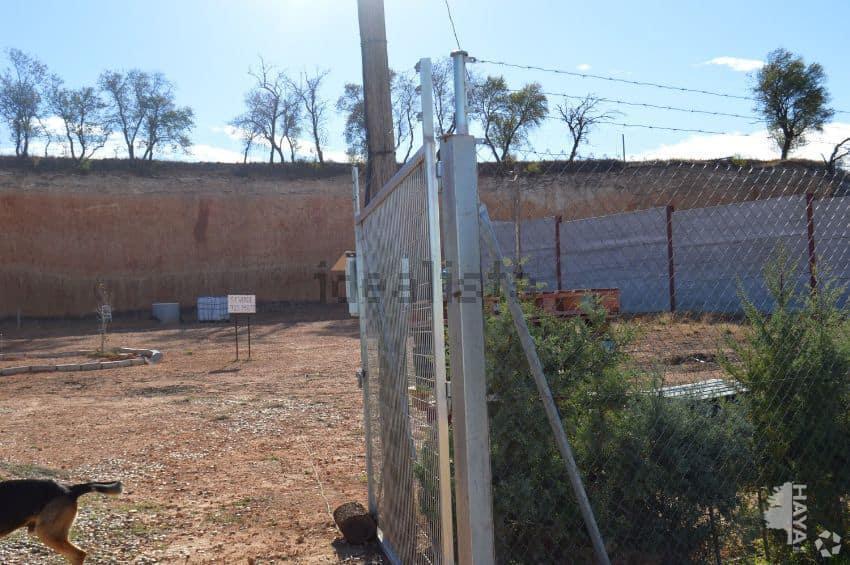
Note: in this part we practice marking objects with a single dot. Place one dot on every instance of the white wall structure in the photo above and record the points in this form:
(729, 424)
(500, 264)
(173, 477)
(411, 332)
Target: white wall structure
(538, 250)
(721, 251)
(626, 251)
(832, 239)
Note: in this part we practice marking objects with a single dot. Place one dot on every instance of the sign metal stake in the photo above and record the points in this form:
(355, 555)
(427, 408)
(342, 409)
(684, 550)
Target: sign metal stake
(241, 304)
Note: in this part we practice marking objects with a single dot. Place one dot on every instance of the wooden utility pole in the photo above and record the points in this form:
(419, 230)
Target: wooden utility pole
(381, 163)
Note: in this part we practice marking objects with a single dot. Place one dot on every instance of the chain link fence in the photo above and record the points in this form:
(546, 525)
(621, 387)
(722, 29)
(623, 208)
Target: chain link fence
(690, 319)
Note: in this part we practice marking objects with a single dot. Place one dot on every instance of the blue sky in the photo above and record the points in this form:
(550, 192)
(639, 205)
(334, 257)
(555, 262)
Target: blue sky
(206, 47)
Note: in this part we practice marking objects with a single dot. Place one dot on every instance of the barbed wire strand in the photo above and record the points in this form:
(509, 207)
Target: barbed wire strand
(661, 128)
(656, 106)
(624, 81)
(452, 22)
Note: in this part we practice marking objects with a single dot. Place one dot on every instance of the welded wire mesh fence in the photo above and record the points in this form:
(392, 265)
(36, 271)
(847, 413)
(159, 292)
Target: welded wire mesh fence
(691, 322)
(405, 366)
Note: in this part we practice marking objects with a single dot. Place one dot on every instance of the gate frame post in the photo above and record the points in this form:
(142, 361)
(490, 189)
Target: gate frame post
(466, 334)
(440, 382)
(364, 349)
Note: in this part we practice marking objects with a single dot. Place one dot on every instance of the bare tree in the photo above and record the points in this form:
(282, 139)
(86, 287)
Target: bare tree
(442, 81)
(21, 99)
(249, 136)
(581, 118)
(839, 152)
(315, 107)
(83, 115)
(405, 109)
(256, 123)
(104, 312)
(290, 123)
(272, 112)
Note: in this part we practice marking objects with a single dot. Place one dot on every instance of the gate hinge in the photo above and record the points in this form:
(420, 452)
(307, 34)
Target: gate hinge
(361, 376)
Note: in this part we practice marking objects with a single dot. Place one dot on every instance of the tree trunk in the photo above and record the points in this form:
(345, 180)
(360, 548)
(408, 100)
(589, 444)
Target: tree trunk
(318, 143)
(786, 145)
(574, 150)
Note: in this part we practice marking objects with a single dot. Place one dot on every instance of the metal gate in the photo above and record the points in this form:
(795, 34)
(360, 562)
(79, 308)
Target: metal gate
(404, 361)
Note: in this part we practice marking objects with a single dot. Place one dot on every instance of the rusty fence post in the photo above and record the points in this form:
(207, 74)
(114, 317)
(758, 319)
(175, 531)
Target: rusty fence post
(558, 251)
(810, 231)
(671, 266)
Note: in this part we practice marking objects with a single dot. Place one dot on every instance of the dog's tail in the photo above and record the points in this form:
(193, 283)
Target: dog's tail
(105, 488)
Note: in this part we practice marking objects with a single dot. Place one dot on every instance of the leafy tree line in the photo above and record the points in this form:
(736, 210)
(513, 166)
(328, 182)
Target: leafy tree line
(282, 112)
(138, 105)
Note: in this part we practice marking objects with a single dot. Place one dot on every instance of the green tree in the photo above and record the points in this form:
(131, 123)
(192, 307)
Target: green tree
(792, 97)
(506, 116)
(165, 123)
(405, 107)
(83, 116)
(22, 104)
(141, 106)
(795, 364)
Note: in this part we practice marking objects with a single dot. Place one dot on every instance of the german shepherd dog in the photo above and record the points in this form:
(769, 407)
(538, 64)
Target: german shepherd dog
(48, 509)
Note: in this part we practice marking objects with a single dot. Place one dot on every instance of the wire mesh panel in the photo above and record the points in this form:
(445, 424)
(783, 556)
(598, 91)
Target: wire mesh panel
(699, 355)
(406, 360)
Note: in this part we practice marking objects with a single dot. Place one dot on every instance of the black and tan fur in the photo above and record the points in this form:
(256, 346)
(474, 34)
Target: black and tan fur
(47, 509)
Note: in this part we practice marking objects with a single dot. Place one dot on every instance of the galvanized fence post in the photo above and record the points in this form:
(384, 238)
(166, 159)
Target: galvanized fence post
(466, 335)
(440, 383)
(364, 350)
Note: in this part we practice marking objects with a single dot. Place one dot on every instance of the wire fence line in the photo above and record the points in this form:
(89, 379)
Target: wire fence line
(720, 378)
(660, 86)
(633, 229)
(676, 391)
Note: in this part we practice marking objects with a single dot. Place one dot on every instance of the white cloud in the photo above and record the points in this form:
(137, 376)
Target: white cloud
(583, 67)
(305, 148)
(211, 154)
(754, 146)
(736, 63)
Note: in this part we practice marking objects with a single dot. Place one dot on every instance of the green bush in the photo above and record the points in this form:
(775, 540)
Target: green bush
(795, 363)
(670, 480)
(653, 468)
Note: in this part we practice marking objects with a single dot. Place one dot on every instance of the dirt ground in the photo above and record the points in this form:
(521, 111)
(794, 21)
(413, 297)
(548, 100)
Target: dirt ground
(230, 461)
(682, 348)
(223, 461)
